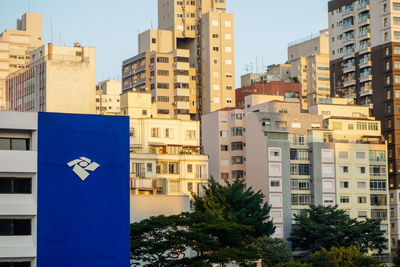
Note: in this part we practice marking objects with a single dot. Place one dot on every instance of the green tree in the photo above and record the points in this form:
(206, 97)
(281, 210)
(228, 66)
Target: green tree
(330, 227)
(341, 257)
(396, 254)
(293, 264)
(235, 202)
(158, 241)
(226, 221)
(272, 251)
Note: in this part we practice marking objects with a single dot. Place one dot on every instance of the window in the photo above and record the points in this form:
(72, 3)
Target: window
(360, 155)
(149, 167)
(153, 40)
(300, 184)
(275, 169)
(14, 144)
(237, 131)
(190, 134)
(228, 36)
(266, 122)
(328, 185)
(377, 170)
(190, 168)
(15, 264)
(173, 186)
(163, 85)
(228, 24)
(361, 185)
(237, 174)
(163, 59)
(300, 199)
(155, 132)
(344, 184)
(275, 183)
(224, 175)
(344, 169)
(396, 20)
(396, 50)
(224, 148)
(360, 170)
(15, 185)
(377, 185)
(15, 227)
(362, 214)
(163, 111)
(328, 199)
(299, 169)
(299, 154)
(223, 133)
(343, 154)
(215, 35)
(162, 98)
(216, 49)
(144, 112)
(275, 152)
(275, 199)
(396, 6)
(163, 72)
(237, 146)
(378, 200)
(345, 199)
(361, 200)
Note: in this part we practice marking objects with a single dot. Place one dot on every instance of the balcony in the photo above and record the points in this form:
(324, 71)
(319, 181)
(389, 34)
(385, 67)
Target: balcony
(348, 39)
(364, 5)
(365, 77)
(349, 92)
(365, 63)
(364, 49)
(349, 81)
(349, 68)
(348, 11)
(366, 90)
(364, 21)
(348, 53)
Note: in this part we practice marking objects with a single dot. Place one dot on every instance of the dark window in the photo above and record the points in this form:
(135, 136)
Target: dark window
(19, 227)
(14, 144)
(153, 40)
(15, 186)
(16, 264)
(224, 148)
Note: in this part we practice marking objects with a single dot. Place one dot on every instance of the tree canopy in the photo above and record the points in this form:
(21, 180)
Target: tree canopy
(226, 221)
(330, 227)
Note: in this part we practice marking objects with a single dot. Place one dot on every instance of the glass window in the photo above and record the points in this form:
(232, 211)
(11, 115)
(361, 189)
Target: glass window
(360, 155)
(343, 154)
(15, 227)
(396, 6)
(15, 185)
(344, 184)
(5, 144)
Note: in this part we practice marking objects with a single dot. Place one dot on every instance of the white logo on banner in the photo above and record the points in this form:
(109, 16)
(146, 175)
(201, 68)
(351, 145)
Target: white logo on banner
(82, 166)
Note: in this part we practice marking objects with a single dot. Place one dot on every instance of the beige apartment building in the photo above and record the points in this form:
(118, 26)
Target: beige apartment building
(59, 79)
(309, 60)
(334, 154)
(15, 46)
(166, 159)
(198, 76)
(108, 97)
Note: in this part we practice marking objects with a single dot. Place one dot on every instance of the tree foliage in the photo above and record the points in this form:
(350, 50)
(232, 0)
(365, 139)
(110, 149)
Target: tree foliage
(341, 257)
(223, 227)
(272, 251)
(330, 227)
(158, 241)
(396, 254)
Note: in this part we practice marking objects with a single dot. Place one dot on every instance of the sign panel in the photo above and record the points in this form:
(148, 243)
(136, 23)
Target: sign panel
(83, 190)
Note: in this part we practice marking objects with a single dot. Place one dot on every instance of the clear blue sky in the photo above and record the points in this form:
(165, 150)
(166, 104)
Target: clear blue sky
(263, 28)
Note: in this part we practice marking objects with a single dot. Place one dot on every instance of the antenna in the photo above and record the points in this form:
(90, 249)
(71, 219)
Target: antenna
(151, 23)
(59, 38)
(51, 30)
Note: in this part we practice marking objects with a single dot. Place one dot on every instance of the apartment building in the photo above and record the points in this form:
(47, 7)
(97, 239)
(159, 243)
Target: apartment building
(291, 91)
(365, 49)
(169, 79)
(15, 46)
(309, 63)
(108, 97)
(41, 152)
(59, 79)
(166, 159)
(197, 38)
(332, 155)
(351, 27)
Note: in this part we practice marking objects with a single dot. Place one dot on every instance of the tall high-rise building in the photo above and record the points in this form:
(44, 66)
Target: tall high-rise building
(15, 46)
(197, 37)
(59, 79)
(309, 62)
(365, 65)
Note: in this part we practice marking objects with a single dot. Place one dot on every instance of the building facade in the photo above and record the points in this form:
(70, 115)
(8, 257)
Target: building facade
(108, 97)
(166, 160)
(332, 155)
(309, 63)
(195, 44)
(15, 46)
(291, 91)
(59, 79)
(38, 225)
